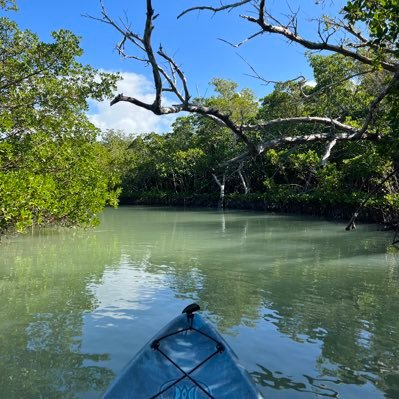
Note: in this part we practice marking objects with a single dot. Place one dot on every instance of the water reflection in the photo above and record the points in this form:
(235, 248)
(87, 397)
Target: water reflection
(310, 309)
(42, 297)
(318, 387)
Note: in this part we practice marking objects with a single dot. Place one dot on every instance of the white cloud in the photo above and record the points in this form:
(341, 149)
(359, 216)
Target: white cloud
(311, 83)
(128, 117)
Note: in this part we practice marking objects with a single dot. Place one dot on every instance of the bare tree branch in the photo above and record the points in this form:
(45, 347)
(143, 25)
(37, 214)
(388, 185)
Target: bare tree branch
(214, 9)
(243, 178)
(334, 83)
(290, 141)
(209, 112)
(318, 137)
(261, 32)
(327, 153)
(172, 84)
(149, 27)
(182, 77)
(324, 45)
(303, 119)
(222, 185)
(327, 130)
(266, 81)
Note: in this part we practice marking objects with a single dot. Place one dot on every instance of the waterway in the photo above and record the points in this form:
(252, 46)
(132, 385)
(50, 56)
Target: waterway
(310, 309)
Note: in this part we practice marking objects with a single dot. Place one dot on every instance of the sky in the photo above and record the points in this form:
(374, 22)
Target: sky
(193, 41)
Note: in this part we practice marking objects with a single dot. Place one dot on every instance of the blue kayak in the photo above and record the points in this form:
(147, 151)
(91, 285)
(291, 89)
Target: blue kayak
(187, 359)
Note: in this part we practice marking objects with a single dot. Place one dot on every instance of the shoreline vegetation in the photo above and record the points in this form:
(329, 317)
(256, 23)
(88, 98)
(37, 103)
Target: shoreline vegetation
(327, 146)
(300, 205)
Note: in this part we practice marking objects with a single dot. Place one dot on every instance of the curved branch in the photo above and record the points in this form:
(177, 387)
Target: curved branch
(179, 72)
(312, 45)
(332, 84)
(304, 119)
(318, 137)
(214, 9)
(296, 140)
(132, 100)
(150, 53)
(327, 153)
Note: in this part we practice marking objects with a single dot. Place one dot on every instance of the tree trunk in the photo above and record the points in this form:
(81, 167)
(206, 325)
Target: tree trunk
(243, 180)
(221, 185)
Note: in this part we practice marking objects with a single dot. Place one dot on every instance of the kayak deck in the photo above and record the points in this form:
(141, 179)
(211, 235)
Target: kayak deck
(188, 359)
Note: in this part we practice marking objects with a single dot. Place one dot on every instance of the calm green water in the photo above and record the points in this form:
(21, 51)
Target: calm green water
(311, 310)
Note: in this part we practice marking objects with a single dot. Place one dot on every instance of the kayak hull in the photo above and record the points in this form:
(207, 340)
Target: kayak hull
(187, 359)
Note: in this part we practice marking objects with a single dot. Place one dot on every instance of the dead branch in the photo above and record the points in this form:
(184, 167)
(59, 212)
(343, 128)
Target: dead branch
(323, 45)
(214, 9)
(144, 43)
(341, 130)
(243, 178)
(290, 141)
(290, 32)
(182, 77)
(327, 153)
(149, 27)
(333, 84)
(222, 185)
(305, 120)
(261, 32)
(256, 75)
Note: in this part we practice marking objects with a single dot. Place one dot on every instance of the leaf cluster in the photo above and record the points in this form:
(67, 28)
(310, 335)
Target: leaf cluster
(51, 168)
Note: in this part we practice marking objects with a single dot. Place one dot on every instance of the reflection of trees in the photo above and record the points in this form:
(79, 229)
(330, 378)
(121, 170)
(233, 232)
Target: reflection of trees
(315, 386)
(196, 270)
(319, 284)
(353, 316)
(43, 298)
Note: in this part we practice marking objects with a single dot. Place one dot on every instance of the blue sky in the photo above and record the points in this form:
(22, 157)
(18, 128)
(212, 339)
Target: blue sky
(191, 40)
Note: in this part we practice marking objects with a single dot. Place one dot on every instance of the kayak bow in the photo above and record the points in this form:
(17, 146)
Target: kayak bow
(187, 359)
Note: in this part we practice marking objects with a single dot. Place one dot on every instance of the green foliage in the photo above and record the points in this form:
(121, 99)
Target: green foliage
(338, 96)
(8, 5)
(176, 168)
(52, 170)
(241, 105)
(381, 18)
(284, 101)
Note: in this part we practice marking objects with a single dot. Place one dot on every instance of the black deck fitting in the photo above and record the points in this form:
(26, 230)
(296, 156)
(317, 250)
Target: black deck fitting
(191, 308)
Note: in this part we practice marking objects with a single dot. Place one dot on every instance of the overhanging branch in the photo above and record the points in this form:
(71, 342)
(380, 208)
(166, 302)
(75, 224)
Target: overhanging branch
(214, 9)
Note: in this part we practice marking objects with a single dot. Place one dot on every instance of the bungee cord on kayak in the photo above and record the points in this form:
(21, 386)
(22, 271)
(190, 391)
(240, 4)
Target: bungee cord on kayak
(157, 343)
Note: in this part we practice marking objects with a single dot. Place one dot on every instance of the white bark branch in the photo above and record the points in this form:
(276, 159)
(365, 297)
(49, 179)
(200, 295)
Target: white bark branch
(243, 179)
(305, 120)
(327, 153)
(291, 141)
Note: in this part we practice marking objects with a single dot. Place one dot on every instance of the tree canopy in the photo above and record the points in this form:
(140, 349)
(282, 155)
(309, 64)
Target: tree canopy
(335, 141)
(52, 170)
